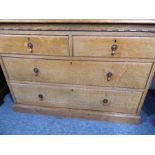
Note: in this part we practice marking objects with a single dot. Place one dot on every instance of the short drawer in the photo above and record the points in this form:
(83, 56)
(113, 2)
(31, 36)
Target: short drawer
(77, 98)
(125, 47)
(28, 44)
(110, 74)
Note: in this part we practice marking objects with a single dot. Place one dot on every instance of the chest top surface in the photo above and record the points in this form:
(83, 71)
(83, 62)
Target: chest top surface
(106, 21)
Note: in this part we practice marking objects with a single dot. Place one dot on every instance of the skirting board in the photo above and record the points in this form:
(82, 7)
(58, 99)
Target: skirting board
(84, 114)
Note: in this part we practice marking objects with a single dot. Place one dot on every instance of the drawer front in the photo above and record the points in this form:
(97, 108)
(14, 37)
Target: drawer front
(76, 98)
(43, 45)
(126, 47)
(110, 74)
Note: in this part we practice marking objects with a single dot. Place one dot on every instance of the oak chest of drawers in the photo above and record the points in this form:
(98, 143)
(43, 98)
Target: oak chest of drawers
(93, 69)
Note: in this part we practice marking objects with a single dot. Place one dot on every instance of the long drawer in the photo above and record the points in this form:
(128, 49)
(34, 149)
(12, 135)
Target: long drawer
(31, 44)
(110, 74)
(77, 98)
(125, 47)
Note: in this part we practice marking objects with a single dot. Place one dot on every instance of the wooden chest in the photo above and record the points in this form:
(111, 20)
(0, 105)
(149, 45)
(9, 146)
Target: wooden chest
(93, 69)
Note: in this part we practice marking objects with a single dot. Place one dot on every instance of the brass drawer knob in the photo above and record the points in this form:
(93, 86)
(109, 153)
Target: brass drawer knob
(40, 96)
(36, 71)
(109, 76)
(105, 102)
(114, 47)
(30, 46)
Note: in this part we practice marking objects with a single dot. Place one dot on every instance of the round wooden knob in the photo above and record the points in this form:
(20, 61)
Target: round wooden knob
(30, 46)
(114, 48)
(40, 96)
(109, 75)
(105, 102)
(36, 71)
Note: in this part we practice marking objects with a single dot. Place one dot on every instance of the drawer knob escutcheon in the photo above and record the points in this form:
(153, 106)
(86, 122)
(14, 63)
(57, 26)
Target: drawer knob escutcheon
(40, 96)
(109, 76)
(36, 71)
(30, 46)
(114, 47)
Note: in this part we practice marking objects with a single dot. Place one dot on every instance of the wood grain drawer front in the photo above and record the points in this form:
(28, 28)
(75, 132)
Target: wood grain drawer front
(124, 74)
(77, 98)
(43, 45)
(126, 47)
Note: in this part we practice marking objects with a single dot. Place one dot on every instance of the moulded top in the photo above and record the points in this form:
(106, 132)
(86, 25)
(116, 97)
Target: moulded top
(106, 21)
